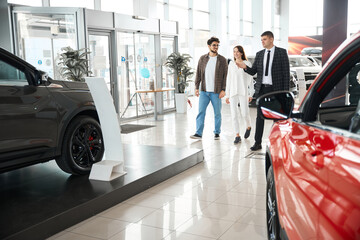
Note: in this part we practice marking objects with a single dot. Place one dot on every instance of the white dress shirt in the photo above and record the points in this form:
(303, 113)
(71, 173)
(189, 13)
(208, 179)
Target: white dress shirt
(268, 79)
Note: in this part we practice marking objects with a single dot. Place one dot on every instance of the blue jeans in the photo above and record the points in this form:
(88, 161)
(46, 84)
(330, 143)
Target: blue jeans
(205, 98)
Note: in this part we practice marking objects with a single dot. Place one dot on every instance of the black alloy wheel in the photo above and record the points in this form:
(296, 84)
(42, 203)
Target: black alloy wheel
(82, 146)
(272, 216)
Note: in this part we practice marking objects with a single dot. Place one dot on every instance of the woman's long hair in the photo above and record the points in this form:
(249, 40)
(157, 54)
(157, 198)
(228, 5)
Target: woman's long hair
(241, 50)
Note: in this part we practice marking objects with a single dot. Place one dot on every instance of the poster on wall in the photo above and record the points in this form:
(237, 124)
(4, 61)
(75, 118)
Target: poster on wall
(305, 45)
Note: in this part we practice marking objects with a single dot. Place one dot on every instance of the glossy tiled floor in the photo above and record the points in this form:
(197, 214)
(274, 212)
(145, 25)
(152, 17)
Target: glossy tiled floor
(221, 198)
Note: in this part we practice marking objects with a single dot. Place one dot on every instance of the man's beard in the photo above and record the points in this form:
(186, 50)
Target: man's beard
(213, 51)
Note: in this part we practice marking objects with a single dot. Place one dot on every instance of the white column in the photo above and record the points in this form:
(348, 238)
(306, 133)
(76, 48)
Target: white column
(284, 23)
(241, 11)
(257, 16)
(46, 3)
(97, 4)
(166, 10)
(191, 36)
(218, 23)
(145, 8)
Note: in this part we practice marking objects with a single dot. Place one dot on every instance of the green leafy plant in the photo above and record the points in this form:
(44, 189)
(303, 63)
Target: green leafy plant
(74, 64)
(179, 66)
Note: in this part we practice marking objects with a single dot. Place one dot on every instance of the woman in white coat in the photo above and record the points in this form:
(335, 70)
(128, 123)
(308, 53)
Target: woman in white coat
(239, 90)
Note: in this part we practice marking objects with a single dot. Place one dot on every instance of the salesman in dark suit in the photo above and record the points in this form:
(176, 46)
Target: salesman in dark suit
(273, 74)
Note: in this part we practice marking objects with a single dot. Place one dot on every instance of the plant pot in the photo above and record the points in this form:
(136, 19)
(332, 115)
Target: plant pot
(181, 102)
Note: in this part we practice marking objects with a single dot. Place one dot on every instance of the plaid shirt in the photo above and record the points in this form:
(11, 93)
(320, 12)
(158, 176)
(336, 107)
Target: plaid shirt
(220, 73)
(280, 70)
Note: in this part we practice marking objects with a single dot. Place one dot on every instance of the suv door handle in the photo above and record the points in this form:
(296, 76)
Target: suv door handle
(316, 158)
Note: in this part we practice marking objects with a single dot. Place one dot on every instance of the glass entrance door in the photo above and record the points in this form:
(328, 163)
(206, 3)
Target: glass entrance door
(167, 47)
(100, 57)
(126, 75)
(136, 59)
(145, 69)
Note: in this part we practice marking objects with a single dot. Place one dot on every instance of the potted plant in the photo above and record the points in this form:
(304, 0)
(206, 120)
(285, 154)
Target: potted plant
(74, 64)
(178, 65)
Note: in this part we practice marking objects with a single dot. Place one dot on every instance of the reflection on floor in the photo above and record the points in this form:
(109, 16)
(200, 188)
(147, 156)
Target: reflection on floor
(41, 200)
(221, 198)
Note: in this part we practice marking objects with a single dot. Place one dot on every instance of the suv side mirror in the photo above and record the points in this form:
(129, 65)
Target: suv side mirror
(41, 77)
(276, 105)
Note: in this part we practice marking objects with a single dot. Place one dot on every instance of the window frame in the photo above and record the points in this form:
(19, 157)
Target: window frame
(30, 72)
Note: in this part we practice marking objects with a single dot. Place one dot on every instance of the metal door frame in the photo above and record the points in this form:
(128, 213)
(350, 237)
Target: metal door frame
(112, 60)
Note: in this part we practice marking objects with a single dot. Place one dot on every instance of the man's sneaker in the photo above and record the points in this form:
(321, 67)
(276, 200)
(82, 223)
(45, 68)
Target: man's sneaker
(217, 137)
(195, 136)
(237, 140)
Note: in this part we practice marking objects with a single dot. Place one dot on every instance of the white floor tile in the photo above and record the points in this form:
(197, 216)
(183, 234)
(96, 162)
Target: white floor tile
(100, 227)
(250, 188)
(127, 212)
(254, 217)
(187, 206)
(238, 199)
(203, 193)
(237, 177)
(185, 236)
(71, 236)
(165, 219)
(261, 203)
(244, 231)
(151, 200)
(224, 211)
(141, 232)
(220, 184)
(186, 178)
(175, 190)
(201, 171)
(206, 227)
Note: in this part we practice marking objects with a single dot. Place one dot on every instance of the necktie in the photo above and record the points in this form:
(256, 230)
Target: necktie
(267, 63)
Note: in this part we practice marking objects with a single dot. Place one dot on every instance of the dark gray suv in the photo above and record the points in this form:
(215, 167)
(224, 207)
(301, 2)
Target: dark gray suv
(43, 119)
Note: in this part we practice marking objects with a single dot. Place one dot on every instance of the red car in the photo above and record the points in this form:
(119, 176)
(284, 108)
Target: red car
(313, 157)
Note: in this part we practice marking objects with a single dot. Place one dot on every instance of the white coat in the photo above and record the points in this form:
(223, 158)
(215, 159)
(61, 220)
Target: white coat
(239, 82)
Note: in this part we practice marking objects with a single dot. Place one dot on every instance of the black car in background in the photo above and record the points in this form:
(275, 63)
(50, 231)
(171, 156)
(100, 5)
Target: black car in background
(43, 119)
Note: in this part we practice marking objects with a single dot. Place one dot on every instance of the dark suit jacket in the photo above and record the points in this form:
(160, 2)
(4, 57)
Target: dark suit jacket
(280, 70)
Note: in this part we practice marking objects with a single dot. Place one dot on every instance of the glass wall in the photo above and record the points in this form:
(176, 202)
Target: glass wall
(40, 38)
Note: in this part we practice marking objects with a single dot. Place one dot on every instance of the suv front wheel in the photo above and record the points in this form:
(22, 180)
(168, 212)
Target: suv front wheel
(82, 146)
